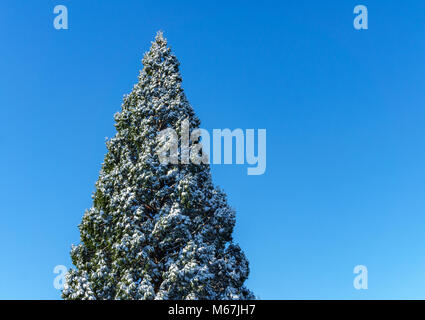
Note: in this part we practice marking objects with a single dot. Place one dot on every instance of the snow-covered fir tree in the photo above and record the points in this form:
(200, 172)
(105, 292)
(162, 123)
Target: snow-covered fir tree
(155, 230)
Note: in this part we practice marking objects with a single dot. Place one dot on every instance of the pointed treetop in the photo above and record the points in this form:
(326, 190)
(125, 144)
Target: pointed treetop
(159, 38)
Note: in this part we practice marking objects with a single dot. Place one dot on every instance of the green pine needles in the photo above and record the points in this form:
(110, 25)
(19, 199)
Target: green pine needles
(156, 231)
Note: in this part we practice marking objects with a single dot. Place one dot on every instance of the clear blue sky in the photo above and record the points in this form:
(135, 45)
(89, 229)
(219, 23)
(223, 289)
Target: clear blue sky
(344, 112)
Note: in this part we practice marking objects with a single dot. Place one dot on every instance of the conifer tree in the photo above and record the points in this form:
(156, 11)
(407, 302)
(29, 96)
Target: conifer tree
(155, 230)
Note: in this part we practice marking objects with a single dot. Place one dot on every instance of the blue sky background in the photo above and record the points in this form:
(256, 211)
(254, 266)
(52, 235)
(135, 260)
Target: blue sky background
(344, 112)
